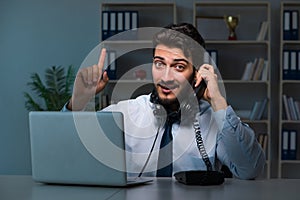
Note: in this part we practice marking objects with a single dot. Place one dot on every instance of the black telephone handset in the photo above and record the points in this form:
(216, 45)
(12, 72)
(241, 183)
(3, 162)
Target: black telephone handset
(188, 104)
(200, 89)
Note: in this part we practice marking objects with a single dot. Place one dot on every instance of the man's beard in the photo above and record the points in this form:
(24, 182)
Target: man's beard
(168, 102)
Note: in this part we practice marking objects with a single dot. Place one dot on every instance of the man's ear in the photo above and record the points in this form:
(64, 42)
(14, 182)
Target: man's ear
(195, 71)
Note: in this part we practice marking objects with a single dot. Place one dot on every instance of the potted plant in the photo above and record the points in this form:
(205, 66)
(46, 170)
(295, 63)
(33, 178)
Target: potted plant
(56, 91)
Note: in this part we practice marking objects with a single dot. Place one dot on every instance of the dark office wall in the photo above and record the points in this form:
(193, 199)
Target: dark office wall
(34, 35)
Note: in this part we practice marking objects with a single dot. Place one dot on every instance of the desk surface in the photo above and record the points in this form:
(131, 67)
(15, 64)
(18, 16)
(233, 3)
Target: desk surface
(23, 187)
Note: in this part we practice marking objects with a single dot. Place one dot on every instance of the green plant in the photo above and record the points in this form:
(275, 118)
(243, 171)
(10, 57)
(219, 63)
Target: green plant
(55, 93)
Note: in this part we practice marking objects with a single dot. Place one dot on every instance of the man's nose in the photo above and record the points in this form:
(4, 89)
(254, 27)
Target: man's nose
(168, 74)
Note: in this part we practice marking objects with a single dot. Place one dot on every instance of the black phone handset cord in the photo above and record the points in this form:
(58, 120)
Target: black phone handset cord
(200, 145)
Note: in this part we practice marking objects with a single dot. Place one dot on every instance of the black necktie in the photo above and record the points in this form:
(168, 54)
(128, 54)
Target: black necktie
(165, 158)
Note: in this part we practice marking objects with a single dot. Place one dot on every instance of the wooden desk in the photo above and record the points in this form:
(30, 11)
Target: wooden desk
(23, 188)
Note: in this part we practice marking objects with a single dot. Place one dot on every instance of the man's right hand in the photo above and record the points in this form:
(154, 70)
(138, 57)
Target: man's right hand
(89, 81)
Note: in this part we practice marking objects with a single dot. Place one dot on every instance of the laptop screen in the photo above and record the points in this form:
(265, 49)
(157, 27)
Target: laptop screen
(78, 147)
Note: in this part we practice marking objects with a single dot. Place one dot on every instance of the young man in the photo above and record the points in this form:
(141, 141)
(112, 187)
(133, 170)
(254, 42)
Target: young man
(204, 130)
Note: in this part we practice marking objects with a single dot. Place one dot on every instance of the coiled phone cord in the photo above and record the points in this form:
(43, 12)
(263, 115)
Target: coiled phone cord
(200, 146)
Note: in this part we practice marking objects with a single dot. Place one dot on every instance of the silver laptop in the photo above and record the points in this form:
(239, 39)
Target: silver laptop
(79, 148)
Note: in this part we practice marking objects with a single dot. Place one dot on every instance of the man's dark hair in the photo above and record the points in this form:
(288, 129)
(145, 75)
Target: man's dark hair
(183, 36)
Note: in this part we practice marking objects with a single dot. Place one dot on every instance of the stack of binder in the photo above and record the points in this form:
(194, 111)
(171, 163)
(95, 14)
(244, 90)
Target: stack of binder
(290, 25)
(114, 22)
(110, 64)
(212, 57)
(289, 145)
(291, 65)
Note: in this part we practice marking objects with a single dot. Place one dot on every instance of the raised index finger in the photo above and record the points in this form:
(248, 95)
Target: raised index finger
(101, 59)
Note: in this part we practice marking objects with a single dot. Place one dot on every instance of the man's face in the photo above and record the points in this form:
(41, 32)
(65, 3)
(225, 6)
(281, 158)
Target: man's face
(172, 73)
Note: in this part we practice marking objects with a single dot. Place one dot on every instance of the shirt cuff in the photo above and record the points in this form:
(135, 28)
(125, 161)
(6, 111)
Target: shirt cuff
(65, 109)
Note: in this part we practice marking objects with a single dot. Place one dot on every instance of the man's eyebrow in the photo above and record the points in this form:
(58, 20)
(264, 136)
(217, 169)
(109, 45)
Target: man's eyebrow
(176, 60)
(158, 57)
(181, 59)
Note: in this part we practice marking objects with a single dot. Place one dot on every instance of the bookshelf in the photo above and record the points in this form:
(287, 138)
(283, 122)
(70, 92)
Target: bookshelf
(135, 54)
(252, 44)
(288, 145)
(231, 59)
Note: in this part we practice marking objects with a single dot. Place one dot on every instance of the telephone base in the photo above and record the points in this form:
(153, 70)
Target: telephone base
(200, 177)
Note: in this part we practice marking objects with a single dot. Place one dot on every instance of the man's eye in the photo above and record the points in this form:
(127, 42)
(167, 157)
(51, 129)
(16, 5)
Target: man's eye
(180, 67)
(159, 64)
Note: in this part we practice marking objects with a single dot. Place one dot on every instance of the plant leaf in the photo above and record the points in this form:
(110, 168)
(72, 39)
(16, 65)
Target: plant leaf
(30, 104)
(57, 90)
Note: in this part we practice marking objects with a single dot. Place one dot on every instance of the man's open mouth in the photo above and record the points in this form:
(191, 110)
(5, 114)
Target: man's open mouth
(167, 88)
